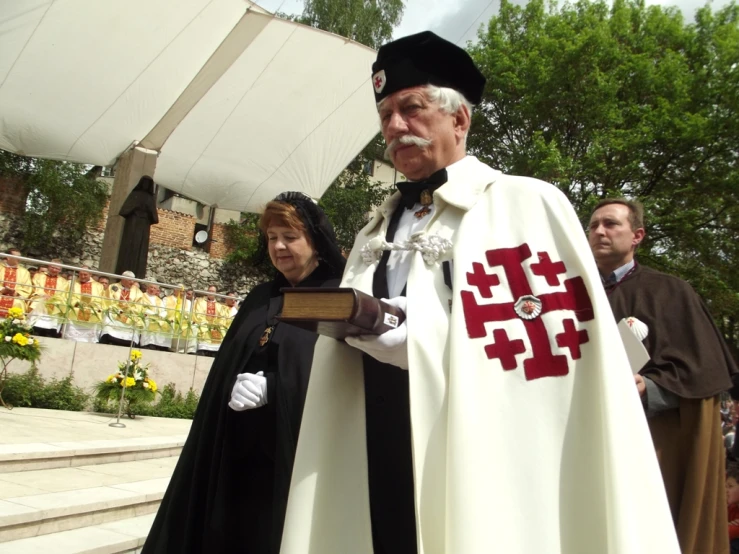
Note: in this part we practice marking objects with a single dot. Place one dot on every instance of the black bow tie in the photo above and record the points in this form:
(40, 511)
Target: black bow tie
(411, 190)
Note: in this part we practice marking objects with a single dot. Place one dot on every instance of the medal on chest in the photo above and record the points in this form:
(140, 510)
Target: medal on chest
(426, 200)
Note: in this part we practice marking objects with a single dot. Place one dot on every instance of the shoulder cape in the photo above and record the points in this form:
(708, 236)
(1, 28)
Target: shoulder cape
(517, 424)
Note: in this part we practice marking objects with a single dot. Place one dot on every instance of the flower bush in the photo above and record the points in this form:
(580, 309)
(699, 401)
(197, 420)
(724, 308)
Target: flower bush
(16, 341)
(132, 376)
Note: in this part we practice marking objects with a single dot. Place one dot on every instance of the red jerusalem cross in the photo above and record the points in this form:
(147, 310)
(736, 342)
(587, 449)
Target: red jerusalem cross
(575, 298)
(378, 82)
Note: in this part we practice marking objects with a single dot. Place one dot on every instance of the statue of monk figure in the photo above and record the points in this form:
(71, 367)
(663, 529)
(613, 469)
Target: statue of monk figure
(140, 211)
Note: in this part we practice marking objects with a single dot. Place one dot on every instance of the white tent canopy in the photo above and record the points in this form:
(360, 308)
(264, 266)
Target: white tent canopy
(239, 104)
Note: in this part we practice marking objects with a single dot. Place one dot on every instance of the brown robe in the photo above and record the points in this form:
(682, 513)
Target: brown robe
(689, 358)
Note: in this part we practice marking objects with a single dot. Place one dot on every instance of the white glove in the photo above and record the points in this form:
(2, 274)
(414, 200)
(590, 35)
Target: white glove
(392, 346)
(250, 391)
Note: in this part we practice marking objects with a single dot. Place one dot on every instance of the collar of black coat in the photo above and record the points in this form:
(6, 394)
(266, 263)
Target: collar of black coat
(411, 190)
(320, 274)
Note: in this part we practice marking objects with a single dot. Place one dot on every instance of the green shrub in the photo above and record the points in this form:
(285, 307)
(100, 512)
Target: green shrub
(23, 389)
(32, 391)
(62, 394)
(171, 404)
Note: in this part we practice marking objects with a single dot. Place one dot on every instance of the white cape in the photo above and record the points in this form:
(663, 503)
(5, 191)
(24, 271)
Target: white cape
(507, 459)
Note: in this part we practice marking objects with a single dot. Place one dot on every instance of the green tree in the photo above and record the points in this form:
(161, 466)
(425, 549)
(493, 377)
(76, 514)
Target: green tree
(60, 195)
(370, 22)
(347, 203)
(625, 100)
(350, 199)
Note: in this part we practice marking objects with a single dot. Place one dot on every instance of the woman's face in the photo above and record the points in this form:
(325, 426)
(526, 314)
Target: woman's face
(291, 253)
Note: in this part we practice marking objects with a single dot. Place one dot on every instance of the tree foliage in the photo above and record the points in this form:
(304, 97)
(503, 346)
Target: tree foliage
(349, 200)
(625, 100)
(61, 195)
(347, 203)
(370, 22)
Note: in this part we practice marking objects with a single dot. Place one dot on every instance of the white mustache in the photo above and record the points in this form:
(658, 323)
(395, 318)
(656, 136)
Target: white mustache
(406, 140)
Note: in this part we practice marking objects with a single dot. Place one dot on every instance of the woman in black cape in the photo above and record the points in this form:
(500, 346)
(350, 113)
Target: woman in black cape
(228, 493)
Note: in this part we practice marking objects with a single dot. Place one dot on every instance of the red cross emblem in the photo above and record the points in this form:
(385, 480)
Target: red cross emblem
(379, 80)
(575, 298)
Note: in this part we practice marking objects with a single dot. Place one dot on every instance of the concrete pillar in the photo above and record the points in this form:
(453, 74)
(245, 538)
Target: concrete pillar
(132, 165)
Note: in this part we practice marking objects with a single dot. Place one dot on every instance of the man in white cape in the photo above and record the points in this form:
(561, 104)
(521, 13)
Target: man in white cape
(508, 381)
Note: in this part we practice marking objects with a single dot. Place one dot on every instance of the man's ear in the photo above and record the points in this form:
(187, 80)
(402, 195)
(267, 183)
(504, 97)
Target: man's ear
(639, 235)
(462, 121)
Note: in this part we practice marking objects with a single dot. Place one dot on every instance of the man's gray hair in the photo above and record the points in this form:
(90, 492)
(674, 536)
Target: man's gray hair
(129, 274)
(449, 100)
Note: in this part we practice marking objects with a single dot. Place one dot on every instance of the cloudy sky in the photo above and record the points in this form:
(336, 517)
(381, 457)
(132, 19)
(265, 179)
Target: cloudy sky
(459, 20)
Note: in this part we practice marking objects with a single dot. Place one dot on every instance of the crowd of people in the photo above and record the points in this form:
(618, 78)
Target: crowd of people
(504, 401)
(89, 308)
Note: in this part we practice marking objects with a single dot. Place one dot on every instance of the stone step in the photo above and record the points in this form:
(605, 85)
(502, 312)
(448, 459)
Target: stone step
(116, 537)
(49, 455)
(43, 502)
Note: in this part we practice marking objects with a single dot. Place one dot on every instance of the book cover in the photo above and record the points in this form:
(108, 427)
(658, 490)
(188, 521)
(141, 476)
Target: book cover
(338, 312)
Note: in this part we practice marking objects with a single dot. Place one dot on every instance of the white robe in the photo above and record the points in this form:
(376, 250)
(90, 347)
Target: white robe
(505, 460)
(156, 329)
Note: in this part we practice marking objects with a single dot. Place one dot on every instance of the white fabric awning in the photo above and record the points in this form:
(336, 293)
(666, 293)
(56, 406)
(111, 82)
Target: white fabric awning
(240, 105)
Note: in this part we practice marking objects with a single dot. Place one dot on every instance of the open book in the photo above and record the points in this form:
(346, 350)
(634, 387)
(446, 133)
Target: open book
(338, 312)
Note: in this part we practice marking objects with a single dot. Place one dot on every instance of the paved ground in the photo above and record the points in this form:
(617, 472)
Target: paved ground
(31, 425)
(71, 484)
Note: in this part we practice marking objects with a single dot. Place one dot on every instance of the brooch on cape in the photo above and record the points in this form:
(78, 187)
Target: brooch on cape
(431, 247)
(266, 335)
(527, 307)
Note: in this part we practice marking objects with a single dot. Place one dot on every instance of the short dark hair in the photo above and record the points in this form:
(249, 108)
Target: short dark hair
(636, 210)
(14, 249)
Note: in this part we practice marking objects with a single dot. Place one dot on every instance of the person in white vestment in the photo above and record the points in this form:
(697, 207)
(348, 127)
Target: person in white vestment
(179, 316)
(211, 319)
(48, 306)
(87, 305)
(232, 303)
(157, 331)
(15, 284)
(423, 439)
(123, 318)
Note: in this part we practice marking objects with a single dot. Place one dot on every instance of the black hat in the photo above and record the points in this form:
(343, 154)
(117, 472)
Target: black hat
(425, 59)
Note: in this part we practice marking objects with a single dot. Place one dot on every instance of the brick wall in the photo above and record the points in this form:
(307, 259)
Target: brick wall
(174, 229)
(218, 247)
(12, 196)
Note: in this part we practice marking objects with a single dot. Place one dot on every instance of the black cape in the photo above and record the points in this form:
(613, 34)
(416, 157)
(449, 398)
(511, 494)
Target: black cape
(140, 211)
(228, 493)
(688, 354)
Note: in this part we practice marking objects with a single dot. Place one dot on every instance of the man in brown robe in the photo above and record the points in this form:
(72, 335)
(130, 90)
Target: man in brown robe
(690, 366)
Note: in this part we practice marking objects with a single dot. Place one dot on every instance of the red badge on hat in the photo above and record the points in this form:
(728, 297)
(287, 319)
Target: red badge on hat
(379, 80)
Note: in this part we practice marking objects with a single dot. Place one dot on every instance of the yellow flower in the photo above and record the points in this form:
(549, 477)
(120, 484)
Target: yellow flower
(135, 355)
(15, 313)
(152, 384)
(129, 382)
(111, 378)
(20, 339)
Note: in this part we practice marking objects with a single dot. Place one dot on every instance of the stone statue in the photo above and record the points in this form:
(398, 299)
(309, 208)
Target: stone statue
(140, 211)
